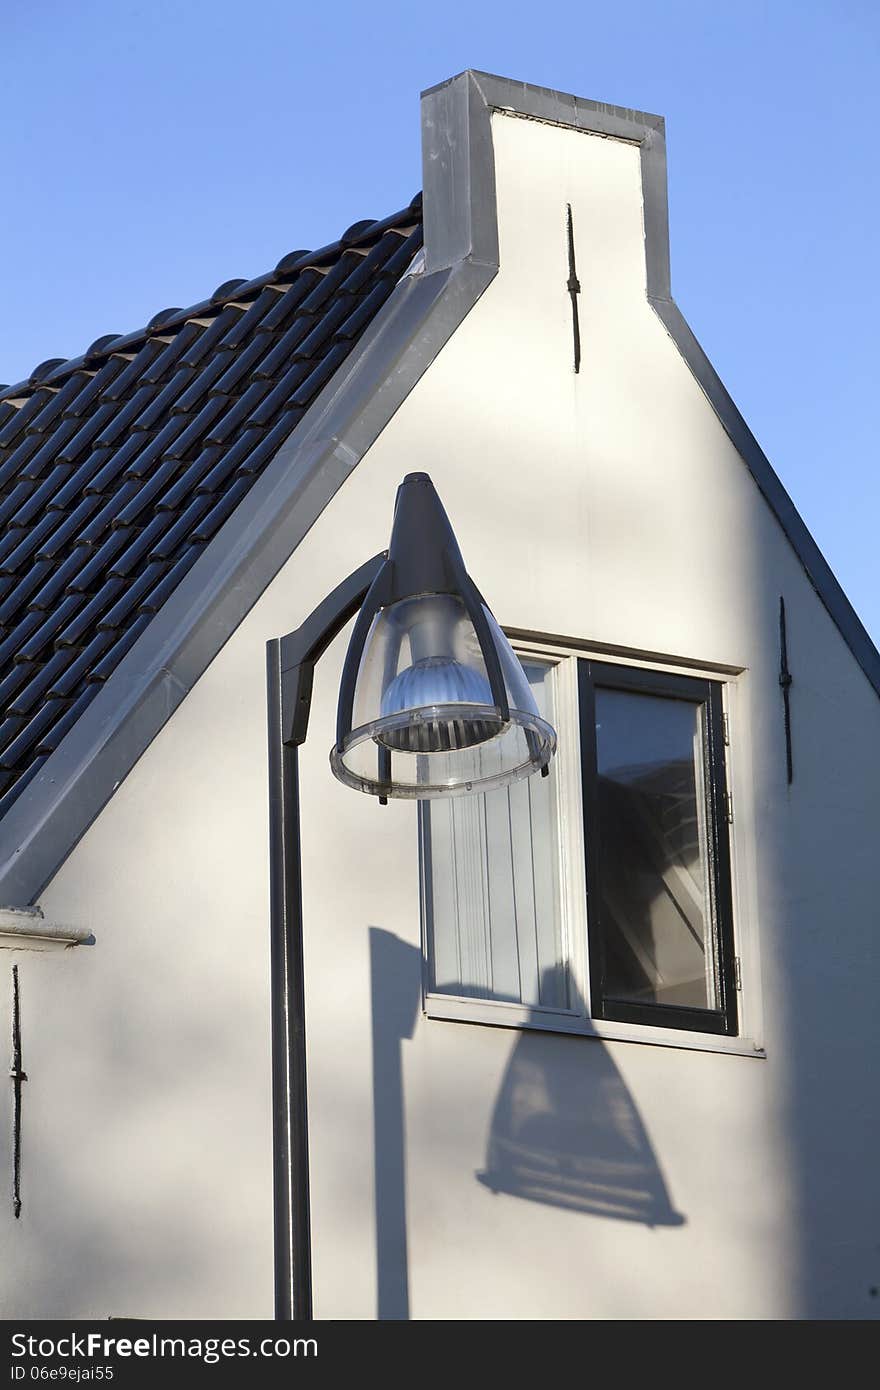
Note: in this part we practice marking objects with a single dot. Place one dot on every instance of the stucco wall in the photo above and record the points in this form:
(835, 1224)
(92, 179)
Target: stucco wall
(610, 507)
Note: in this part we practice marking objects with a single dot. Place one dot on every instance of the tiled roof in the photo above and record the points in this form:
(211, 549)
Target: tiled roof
(118, 467)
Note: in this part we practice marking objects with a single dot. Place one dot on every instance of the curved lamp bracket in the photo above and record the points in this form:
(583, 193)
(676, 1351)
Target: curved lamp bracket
(303, 647)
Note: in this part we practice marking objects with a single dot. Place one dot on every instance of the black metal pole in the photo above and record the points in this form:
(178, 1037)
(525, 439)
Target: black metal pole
(290, 668)
(293, 1264)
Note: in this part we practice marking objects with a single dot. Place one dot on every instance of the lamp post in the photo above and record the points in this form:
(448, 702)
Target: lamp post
(433, 702)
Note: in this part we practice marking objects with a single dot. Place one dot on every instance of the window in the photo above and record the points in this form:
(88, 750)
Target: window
(533, 917)
(658, 871)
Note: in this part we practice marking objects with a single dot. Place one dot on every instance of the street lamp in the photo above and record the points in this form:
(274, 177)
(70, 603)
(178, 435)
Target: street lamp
(432, 703)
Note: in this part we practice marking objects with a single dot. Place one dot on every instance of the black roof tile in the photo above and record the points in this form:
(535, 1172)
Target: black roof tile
(68, 396)
(118, 467)
(190, 477)
(320, 374)
(13, 503)
(288, 306)
(239, 365)
(109, 515)
(365, 270)
(9, 731)
(195, 427)
(311, 346)
(143, 493)
(203, 381)
(126, 639)
(163, 401)
(50, 741)
(38, 499)
(209, 335)
(16, 677)
(83, 625)
(251, 456)
(67, 527)
(227, 460)
(78, 402)
(363, 310)
(48, 628)
(237, 412)
(138, 551)
(37, 681)
(138, 589)
(400, 259)
(280, 350)
(181, 529)
(90, 475)
(90, 427)
(124, 415)
(279, 394)
(325, 288)
(145, 457)
(33, 729)
(98, 563)
(132, 372)
(28, 584)
(47, 453)
(14, 640)
(101, 346)
(223, 507)
(45, 418)
(157, 595)
(17, 458)
(17, 546)
(239, 332)
(68, 683)
(56, 580)
(44, 369)
(15, 426)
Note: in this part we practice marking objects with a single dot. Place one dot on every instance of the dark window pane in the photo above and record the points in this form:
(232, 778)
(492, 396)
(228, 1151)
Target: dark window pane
(654, 870)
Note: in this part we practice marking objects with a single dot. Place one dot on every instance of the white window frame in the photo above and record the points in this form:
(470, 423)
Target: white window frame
(572, 872)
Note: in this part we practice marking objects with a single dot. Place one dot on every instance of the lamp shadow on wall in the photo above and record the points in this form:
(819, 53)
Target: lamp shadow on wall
(564, 1130)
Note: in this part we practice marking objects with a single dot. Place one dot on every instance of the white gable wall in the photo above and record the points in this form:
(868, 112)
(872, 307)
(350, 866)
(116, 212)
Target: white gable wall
(610, 507)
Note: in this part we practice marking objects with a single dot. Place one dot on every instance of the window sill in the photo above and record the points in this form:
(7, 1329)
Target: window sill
(26, 929)
(498, 1014)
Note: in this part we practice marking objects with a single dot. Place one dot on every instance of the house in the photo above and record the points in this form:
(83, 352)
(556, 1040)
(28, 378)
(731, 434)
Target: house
(597, 1045)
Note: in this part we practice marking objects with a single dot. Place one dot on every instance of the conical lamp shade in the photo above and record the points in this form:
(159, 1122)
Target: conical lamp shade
(433, 700)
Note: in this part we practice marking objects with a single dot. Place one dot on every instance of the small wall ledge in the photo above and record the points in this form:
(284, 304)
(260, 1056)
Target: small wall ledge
(26, 929)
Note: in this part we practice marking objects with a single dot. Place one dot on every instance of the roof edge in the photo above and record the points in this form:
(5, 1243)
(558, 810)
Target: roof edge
(56, 808)
(561, 108)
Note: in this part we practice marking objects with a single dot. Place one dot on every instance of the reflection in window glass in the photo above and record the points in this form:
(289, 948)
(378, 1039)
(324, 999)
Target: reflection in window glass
(654, 868)
(491, 887)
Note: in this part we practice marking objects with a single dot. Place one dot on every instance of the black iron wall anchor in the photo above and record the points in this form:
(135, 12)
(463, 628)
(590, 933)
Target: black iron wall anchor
(785, 681)
(574, 289)
(18, 1076)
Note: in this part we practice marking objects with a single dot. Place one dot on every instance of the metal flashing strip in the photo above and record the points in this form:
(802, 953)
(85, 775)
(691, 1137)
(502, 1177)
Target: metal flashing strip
(813, 562)
(461, 259)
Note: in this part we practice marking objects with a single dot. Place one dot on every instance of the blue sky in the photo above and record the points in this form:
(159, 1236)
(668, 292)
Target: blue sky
(156, 149)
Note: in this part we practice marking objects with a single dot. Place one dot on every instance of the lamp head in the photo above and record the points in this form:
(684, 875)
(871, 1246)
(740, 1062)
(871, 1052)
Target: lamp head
(433, 701)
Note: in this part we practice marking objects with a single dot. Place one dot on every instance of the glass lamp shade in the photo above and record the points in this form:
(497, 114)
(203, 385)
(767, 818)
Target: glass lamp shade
(425, 722)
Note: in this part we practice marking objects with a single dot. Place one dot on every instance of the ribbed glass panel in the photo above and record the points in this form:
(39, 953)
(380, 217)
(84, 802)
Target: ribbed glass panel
(491, 884)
